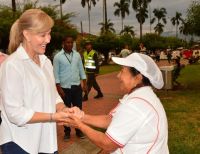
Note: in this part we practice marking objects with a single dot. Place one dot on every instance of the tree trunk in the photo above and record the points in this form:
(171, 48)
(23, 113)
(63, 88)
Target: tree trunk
(89, 16)
(106, 20)
(122, 24)
(13, 7)
(140, 31)
(61, 9)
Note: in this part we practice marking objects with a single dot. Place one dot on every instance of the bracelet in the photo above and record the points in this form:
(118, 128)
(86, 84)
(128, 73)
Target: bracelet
(51, 117)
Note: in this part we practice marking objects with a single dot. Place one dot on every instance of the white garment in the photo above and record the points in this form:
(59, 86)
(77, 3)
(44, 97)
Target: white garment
(139, 124)
(124, 53)
(27, 88)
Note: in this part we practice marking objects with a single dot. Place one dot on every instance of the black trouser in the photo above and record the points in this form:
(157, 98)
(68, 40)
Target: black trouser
(13, 148)
(91, 82)
(73, 97)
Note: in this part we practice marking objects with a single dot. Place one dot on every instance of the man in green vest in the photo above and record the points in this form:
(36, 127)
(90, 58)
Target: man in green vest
(91, 69)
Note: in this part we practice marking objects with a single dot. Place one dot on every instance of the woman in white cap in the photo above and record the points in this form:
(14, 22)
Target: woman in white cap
(138, 125)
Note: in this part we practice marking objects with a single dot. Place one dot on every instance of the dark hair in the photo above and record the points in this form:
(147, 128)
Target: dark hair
(66, 37)
(145, 80)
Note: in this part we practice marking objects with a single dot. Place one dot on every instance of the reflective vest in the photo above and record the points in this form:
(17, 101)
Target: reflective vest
(89, 64)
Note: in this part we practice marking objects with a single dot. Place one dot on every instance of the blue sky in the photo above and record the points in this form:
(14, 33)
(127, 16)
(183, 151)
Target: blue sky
(96, 13)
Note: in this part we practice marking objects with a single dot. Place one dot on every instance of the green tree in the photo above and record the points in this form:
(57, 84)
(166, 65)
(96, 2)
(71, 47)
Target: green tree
(89, 4)
(128, 30)
(107, 27)
(122, 9)
(176, 21)
(186, 28)
(159, 28)
(104, 43)
(6, 20)
(60, 29)
(160, 15)
(140, 7)
(193, 17)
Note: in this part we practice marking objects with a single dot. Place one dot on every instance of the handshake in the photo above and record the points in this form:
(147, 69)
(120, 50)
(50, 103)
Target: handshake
(68, 117)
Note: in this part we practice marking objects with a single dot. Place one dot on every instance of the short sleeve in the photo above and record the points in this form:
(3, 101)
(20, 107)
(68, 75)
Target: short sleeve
(126, 121)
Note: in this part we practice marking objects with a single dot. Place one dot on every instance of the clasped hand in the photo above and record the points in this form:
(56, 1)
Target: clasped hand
(72, 117)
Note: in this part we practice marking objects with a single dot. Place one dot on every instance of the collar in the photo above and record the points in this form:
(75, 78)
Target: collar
(136, 92)
(22, 54)
(63, 51)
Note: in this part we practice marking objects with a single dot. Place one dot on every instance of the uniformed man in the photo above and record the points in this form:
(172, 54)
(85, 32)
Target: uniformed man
(92, 69)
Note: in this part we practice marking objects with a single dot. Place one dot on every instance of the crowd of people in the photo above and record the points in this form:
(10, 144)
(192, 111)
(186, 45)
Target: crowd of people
(36, 95)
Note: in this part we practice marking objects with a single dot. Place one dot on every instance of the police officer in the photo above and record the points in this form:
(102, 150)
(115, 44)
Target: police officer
(92, 69)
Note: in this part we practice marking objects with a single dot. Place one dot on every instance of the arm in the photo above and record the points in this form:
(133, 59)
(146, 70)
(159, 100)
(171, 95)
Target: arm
(13, 99)
(48, 117)
(60, 90)
(101, 121)
(84, 85)
(96, 63)
(97, 137)
(56, 75)
(82, 74)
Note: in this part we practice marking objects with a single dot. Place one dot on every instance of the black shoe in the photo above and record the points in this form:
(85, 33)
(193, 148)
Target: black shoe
(66, 137)
(80, 135)
(85, 98)
(99, 95)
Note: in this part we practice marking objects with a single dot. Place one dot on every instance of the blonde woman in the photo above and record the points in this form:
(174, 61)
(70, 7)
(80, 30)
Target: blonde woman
(30, 103)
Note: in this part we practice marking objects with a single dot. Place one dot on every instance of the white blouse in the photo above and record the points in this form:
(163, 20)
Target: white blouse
(27, 88)
(139, 124)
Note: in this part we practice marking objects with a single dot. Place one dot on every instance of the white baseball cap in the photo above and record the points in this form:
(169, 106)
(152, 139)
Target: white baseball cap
(145, 65)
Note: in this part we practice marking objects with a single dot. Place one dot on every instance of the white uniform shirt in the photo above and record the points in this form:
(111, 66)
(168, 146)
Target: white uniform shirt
(27, 88)
(124, 52)
(139, 124)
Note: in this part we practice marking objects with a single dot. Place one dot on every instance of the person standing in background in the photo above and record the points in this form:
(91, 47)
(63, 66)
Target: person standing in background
(125, 51)
(92, 69)
(29, 102)
(69, 72)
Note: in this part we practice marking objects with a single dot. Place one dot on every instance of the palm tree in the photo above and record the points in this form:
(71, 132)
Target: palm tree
(159, 28)
(89, 5)
(176, 21)
(107, 27)
(186, 28)
(61, 3)
(122, 9)
(128, 30)
(13, 7)
(160, 14)
(140, 7)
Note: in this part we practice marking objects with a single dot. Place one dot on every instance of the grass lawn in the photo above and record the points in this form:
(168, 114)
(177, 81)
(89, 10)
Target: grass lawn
(182, 107)
(109, 68)
(183, 112)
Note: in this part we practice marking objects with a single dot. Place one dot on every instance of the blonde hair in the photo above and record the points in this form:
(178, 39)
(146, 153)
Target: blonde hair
(34, 20)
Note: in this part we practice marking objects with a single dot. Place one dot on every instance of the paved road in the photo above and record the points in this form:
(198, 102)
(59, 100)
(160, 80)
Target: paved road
(110, 88)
